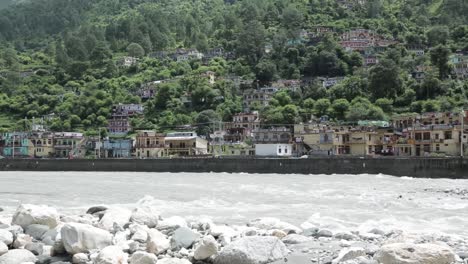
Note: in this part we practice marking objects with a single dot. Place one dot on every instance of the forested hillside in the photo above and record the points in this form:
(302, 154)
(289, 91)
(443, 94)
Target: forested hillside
(60, 59)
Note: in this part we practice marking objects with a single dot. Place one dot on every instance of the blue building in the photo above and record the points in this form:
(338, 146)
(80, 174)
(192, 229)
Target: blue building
(117, 148)
(15, 144)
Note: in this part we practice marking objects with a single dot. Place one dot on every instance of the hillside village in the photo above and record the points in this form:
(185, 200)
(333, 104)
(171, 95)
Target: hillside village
(429, 134)
(261, 79)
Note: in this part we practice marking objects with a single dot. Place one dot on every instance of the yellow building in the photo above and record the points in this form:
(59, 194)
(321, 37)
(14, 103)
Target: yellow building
(149, 144)
(313, 139)
(41, 145)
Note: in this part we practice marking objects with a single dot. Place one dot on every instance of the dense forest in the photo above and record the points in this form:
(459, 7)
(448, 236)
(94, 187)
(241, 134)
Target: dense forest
(59, 58)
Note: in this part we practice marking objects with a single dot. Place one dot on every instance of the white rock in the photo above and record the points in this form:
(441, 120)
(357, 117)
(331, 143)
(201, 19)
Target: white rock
(111, 255)
(174, 261)
(295, 239)
(157, 242)
(145, 215)
(203, 224)
(80, 258)
(274, 223)
(408, 253)
(3, 248)
(82, 219)
(28, 214)
(140, 233)
(117, 215)
(36, 230)
(183, 237)
(17, 256)
(207, 248)
(252, 250)
(172, 223)
(225, 234)
(278, 233)
(142, 257)
(81, 238)
(21, 241)
(348, 254)
(6, 237)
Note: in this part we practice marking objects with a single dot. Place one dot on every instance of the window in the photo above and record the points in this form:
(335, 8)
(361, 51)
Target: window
(436, 136)
(437, 147)
(286, 150)
(448, 135)
(279, 150)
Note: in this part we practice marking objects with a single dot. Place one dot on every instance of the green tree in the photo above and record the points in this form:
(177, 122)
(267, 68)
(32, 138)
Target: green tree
(135, 50)
(321, 107)
(439, 58)
(340, 108)
(385, 80)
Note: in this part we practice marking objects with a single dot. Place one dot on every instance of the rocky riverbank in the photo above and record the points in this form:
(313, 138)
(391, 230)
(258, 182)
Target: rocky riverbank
(114, 235)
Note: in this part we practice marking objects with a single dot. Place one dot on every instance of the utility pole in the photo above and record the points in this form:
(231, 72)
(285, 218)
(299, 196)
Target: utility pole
(462, 133)
(13, 145)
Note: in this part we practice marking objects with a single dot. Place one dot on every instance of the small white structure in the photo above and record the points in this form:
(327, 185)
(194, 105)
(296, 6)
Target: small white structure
(274, 150)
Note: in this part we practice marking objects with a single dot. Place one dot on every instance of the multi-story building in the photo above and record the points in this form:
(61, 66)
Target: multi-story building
(128, 61)
(460, 65)
(314, 139)
(150, 144)
(272, 135)
(185, 144)
(117, 148)
(258, 97)
(42, 144)
(69, 145)
(120, 124)
(15, 145)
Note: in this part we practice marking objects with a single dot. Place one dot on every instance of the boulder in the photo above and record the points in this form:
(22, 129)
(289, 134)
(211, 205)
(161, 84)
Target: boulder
(82, 219)
(142, 257)
(183, 237)
(81, 238)
(324, 233)
(157, 242)
(28, 214)
(96, 209)
(111, 255)
(345, 236)
(140, 233)
(349, 254)
(207, 248)
(6, 237)
(274, 223)
(53, 233)
(295, 239)
(35, 248)
(21, 241)
(202, 224)
(145, 215)
(170, 224)
(279, 233)
(311, 231)
(17, 256)
(36, 231)
(118, 216)
(3, 248)
(409, 253)
(174, 261)
(80, 258)
(225, 234)
(252, 250)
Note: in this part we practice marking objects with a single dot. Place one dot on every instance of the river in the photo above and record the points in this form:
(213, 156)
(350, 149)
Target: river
(336, 201)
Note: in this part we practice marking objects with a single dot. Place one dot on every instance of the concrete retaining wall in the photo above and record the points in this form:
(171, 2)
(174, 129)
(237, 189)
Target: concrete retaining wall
(414, 167)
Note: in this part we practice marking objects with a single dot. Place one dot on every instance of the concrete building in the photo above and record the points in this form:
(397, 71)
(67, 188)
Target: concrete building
(15, 145)
(117, 148)
(42, 145)
(185, 144)
(150, 144)
(272, 135)
(258, 97)
(119, 124)
(69, 145)
(274, 150)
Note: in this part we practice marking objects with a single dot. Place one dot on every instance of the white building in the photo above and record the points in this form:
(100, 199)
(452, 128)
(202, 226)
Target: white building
(274, 150)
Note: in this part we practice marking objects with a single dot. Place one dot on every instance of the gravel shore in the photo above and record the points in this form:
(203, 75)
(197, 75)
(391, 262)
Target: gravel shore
(115, 235)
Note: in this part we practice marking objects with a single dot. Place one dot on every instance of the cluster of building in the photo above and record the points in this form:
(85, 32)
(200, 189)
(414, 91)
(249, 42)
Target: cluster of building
(429, 134)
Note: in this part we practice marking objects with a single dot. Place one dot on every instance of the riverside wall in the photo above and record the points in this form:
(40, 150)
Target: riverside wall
(414, 167)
